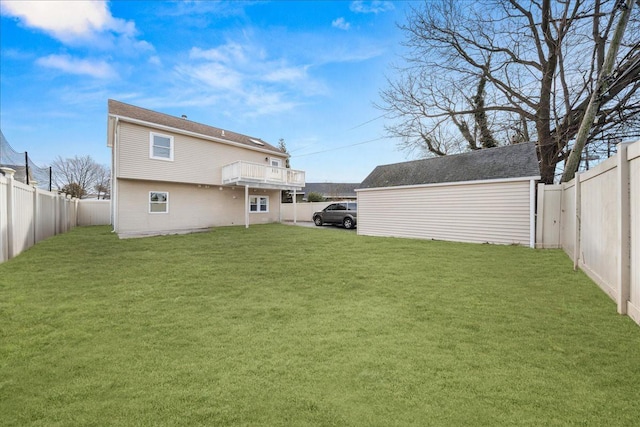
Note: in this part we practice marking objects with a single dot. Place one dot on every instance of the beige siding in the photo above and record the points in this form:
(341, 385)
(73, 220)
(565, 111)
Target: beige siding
(633, 156)
(497, 212)
(194, 160)
(191, 206)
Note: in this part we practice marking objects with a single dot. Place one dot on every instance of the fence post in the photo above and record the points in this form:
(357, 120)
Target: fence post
(623, 268)
(10, 211)
(576, 243)
(35, 212)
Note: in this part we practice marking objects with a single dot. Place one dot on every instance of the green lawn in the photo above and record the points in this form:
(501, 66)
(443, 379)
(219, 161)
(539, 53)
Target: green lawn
(282, 325)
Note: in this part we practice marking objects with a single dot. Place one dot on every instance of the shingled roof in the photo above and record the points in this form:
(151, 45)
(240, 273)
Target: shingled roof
(511, 161)
(121, 109)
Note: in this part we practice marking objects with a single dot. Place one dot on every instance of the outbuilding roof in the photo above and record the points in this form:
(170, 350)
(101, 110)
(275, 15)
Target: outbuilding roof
(511, 161)
(120, 109)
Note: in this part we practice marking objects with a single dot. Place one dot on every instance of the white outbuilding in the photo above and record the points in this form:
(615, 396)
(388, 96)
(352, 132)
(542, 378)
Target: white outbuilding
(483, 196)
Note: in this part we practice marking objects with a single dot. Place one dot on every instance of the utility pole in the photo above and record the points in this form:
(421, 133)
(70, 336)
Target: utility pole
(602, 85)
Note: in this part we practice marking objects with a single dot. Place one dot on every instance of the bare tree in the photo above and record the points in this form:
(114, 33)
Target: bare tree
(78, 175)
(505, 71)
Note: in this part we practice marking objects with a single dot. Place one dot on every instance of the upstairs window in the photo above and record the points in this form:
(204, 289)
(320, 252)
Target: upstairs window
(160, 146)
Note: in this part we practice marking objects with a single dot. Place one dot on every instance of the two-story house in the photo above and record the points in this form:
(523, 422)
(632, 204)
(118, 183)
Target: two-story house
(170, 174)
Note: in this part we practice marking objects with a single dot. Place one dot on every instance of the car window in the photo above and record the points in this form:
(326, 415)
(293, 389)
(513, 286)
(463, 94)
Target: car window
(341, 206)
(353, 206)
(330, 208)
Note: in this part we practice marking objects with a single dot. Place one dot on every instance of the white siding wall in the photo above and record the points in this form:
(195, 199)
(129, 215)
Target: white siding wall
(494, 212)
(194, 161)
(191, 206)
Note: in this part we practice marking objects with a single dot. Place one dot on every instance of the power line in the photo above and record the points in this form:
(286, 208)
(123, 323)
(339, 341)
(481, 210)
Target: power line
(340, 148)
(367, 122)
(346, 146)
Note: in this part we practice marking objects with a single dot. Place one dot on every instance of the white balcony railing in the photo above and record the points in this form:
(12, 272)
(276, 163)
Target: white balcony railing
(246, 173)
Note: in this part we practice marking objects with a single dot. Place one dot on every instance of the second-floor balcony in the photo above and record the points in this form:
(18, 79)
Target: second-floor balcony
(262, 176)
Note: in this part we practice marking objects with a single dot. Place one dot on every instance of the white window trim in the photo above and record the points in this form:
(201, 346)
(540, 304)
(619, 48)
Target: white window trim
(151, 156)
(150, 202)
(258, 204)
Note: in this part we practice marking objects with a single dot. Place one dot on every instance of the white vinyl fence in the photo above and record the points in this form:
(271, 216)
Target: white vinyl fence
(304, 211)
(29, 215)
(595, 218)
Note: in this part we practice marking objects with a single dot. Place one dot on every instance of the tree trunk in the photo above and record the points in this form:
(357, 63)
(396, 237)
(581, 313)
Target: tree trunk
(547, 153)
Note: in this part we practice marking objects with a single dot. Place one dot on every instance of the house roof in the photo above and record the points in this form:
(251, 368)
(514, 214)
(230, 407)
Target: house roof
(331, 189)
(511, 161)
(123, 110)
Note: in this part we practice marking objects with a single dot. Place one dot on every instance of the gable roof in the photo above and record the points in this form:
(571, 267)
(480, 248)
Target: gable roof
(331, 189)
(511, 161)
(122, 110)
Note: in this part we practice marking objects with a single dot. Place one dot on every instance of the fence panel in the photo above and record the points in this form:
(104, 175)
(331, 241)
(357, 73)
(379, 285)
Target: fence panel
(28, 215)
(304, 211)
(23, 217)
(603, 204)
(4, 224)
(94, 212)
(599, 217)
(46, 215)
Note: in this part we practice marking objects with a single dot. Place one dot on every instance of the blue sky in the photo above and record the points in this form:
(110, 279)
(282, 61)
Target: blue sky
(305, 71)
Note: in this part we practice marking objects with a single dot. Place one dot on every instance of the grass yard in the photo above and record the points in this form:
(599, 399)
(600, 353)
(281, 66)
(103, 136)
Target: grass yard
(281, 325)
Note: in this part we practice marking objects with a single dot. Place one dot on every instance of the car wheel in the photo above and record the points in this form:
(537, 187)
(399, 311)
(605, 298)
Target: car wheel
(318, 221)
(348, 223)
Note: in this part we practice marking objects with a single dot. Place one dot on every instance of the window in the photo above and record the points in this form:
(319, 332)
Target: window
(158, 202)
(259, 204)
(276, 162)
(160, 146)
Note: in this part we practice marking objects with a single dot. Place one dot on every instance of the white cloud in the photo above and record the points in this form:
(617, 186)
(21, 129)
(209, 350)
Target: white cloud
(97, 69)
(341, 24)
(68, 21)
(376, 6)
(286, 74)
(215, 76)
(230, 53)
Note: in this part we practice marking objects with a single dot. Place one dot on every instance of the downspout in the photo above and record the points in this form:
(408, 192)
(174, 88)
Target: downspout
(114, 184)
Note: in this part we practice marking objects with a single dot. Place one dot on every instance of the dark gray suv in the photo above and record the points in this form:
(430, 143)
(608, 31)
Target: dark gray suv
(344, 213)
